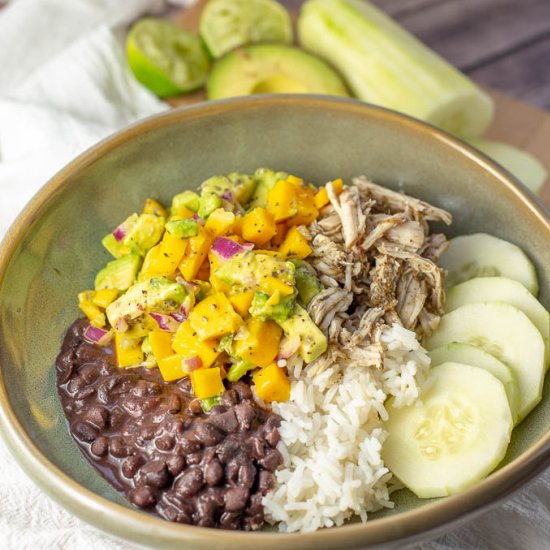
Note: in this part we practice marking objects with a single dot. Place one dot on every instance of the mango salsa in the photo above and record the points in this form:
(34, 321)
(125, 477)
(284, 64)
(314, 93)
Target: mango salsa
(220, 222)
(91, 310)
(281, 201)
(258, 226)
(162, 260)
(241, 302)
(196, 253)
(186, 344)
(207, 382)
(272, 384)
(171, 367)
(161, 344)
(154, 207)
(295, 245)
(128, 352)
(102, 298)
(214, 317)
(260, 342)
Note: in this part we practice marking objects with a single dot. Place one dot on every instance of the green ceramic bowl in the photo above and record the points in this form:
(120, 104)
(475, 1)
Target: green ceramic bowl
(52, 251)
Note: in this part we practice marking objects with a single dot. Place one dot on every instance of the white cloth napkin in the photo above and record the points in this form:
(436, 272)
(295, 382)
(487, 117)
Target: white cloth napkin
(64, 85)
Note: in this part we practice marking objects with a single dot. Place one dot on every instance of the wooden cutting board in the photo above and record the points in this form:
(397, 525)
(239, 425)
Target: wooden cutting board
(516, 122)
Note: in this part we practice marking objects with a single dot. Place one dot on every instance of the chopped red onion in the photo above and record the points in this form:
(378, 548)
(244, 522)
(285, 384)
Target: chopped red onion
(227, 248)
(228, 196)
(119, 233)
(165, 322)
(288, 347)
(197, 218)
(181, 315)
(192, 363)
(97, 335)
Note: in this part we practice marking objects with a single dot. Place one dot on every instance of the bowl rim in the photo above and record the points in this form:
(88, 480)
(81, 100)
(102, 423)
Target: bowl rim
(118, 520)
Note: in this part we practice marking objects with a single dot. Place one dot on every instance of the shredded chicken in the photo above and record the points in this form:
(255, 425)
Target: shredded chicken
(375, 256)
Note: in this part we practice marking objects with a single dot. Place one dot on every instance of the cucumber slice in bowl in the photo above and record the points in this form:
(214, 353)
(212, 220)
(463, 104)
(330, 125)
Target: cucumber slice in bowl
(476, 357)
(482, 255)
(455, 437)
(506, 333)
(501, 289)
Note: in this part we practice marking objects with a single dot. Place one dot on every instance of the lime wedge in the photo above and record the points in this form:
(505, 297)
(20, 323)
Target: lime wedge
(227, 24)
(165, 58)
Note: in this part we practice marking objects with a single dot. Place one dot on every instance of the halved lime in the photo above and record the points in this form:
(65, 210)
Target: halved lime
(227, 24)
(165, 58)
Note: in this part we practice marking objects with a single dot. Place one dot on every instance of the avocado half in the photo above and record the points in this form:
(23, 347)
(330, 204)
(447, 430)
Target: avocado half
(272, 69)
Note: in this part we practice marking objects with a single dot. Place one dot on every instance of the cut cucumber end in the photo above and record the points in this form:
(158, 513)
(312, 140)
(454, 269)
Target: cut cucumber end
(454, 437)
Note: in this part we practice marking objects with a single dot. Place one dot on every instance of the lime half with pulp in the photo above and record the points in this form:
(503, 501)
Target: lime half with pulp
(228, 24)
(165, 58)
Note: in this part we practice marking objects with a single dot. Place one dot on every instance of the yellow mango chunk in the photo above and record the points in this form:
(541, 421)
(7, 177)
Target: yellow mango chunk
(238, 226)
(217, 284)
(260, 344)
(207, 382)
(214, 317)
(154, 207)
(241, 302)
(272, 384)
(182, 213)
(279, 237)
(281, 201)
(162, 260)
(128, 352)
(271, 284)
(294, 180)
(305, 201)
(171, 368)
(187, 344)
(161, 344)
(102, 298)
(258, 226)
(220, 222)
(196, 253)
(321, 197)
(295, 245)
(91, 310)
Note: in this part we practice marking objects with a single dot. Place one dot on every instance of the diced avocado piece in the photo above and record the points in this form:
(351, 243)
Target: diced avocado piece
(262, 309)
(210, 402)
(265, 180)
(187, 199)
(238, 370)
(145, 233)
(150, 360)
(182, 228)
(120, 273)
(158, 294)
(208, 203)
(272, 68)
(307, 284)
(114, 247)
(312, 341)
(246, 270)
(241, 186)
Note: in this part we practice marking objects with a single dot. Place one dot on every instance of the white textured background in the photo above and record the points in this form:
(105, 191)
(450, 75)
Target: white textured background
(63, 86)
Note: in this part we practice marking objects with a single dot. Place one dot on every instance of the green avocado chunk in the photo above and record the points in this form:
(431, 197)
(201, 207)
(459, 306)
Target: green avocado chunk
(272, 68)
(182, 228)
(279, 312)
(241, 187)
(265, 180)
(312, 341)
(120, 273)
(159, 295)
(307, 284)
(187, 199)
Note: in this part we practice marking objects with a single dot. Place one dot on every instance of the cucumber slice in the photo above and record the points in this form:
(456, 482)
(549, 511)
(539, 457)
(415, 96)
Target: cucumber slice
(455, 437)
(505, 332)
(501, 289)
(521, 164)
(482, 255)
(227, 24)
(476, 357)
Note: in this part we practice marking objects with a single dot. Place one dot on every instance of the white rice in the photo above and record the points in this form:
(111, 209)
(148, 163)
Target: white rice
(332, 434)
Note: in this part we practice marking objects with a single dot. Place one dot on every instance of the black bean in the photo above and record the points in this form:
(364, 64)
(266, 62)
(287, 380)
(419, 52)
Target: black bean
(230, 520)
(75, 384)
(236, 498)
(143, 388)
(89, 373)
(194, 458)
(226, 421)
(85, 431)
(247, 475)
(188, 444)
(194, 407)
(118, 417)
(84, 393)
(131, 465)
(265, 481)
(185, 386)
(97, 415)
(232, 471)
(243, 390)
(271, 460)
(65, 365)
(213, 472)
(173, 404)
(206, 511)
(138, 406)
(273, 437)
(208, 434)
(245, 414)
(154, 473)
(175, 464)
(257, 447)
(100, 446)
(189, 482)
(172, 513)
(87, 353)
(165, 442)
(229, 398)
(229, 448)
(118, 448)
(142, 497)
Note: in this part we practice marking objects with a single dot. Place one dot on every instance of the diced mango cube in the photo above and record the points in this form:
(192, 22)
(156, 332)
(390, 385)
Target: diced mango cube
(295, 245)
(187, 344)
(272, 384)
(128, 352)
(220, 222)
(91, 310)
(162, 260)
(171, 368)
(321, 197)
(260, 343)
(241, 302)
(154, 207)
(258, 226)
(238, 226)
(196, 253)
(207, 382)
(305, 201)
(102, 298)
(217, 284)
(271, 284)
(281, 201)
(182, 213)
(279, 237)
(161, 344)
(214, 317)
(295, 180)
(203, 274)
